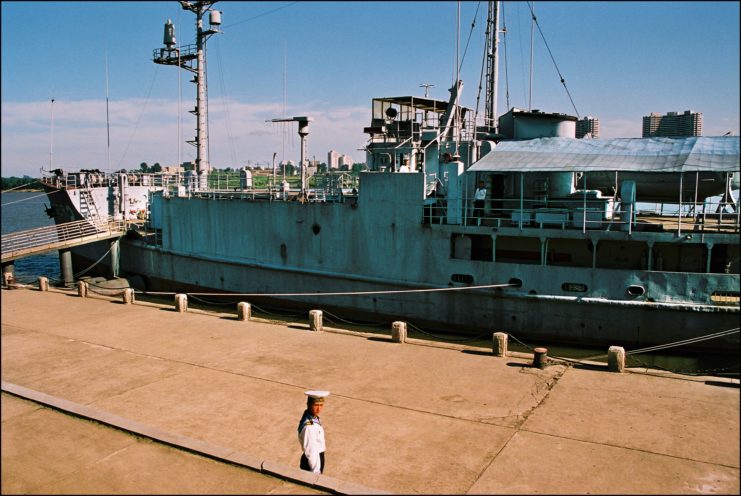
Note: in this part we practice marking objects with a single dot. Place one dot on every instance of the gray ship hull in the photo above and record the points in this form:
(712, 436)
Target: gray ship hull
(529, 318)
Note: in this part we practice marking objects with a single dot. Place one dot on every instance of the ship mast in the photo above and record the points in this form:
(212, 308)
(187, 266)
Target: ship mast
(192, 58)
(492, 66)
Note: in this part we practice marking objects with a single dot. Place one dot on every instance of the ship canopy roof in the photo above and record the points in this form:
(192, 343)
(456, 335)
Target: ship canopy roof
(691, 154)
(417, 102)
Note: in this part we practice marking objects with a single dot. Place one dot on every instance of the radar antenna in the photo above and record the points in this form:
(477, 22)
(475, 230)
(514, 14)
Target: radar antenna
(192, 58)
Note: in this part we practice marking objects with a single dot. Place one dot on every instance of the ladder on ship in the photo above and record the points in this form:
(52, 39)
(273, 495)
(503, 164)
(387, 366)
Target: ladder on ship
(88, 208)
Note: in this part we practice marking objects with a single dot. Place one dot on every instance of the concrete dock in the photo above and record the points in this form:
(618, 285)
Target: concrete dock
(105, 397)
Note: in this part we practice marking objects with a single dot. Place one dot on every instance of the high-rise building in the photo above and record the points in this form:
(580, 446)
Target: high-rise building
(346, 162)
(673, 124)
(333, 159)
(587, 126)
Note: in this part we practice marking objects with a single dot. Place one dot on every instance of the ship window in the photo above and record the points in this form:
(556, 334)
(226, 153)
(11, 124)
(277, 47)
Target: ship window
(574, 287)
(726, 297)
(316, 228)
(462, 278)
(515, 282)
(635, 290)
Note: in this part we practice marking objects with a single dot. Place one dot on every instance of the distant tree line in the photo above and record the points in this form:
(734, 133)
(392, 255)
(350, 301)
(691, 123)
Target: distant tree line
(16, 182)
(143, 167)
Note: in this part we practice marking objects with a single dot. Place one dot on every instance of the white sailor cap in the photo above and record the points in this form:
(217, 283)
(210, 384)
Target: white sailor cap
(317, 396)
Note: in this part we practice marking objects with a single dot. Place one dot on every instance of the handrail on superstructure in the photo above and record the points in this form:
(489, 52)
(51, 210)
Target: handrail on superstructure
(34, 241)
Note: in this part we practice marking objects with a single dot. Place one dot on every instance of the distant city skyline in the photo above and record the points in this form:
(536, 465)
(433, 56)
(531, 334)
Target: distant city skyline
(328, 60)
(672, 124)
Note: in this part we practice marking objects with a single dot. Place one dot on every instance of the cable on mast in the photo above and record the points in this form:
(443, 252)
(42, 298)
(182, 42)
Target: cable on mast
(563, 81)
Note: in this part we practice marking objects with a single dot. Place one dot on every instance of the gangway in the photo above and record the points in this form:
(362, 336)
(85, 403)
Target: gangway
(22, 244)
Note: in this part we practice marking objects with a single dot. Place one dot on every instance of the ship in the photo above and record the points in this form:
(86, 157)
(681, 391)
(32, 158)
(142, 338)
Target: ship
(631, 242)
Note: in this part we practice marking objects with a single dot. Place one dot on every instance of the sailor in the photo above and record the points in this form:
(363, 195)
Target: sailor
(479, 199)
(311, 433)
(285, 187)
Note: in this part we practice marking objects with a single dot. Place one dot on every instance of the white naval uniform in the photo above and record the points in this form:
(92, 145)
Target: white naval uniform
(311, 437)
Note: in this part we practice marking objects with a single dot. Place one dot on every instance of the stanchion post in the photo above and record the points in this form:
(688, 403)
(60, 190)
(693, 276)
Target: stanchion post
(82, 289)
(181, 302)
(128, 296)
(43, 283)
(399, 332)
(315, 320)
(616, 359)
(499, 347)
(244, 311)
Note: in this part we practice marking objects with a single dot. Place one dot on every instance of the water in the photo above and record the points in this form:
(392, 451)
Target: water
(25, 210)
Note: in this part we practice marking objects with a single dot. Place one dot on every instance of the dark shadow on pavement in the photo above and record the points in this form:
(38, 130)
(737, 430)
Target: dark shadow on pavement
(477, 352)
(723, 384)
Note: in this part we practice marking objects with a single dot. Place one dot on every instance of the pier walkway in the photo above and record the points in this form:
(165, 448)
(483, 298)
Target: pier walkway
(401, 418)
(58, 237)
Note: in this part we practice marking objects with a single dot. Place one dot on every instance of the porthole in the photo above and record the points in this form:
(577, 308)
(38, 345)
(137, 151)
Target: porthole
(316, 228)
(515, 282)
(636, 290)
(574, 287)
(462, 278)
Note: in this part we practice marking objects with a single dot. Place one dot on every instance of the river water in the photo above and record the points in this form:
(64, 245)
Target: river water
(25, 210)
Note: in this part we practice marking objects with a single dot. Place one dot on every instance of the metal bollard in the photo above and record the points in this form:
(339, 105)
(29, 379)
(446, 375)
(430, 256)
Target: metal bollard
(181, 303)
(500, 344)
(540, 357)
(315, 320)
(82, 289)
(43, 283)
(244, 311)
(616, 359)
(128, 296)
(399, 332)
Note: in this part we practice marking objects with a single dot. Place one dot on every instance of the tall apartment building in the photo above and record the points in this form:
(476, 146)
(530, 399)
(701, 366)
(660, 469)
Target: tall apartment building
(587, 125)
(333, 159)
(346, 162)
(673, 124)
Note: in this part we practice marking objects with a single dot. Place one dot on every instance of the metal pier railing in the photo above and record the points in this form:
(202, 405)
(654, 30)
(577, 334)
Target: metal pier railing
(35, 241)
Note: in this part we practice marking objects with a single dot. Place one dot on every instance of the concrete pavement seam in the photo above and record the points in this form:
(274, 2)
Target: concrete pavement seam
(629, 448)
(197, 446)
(518, 428)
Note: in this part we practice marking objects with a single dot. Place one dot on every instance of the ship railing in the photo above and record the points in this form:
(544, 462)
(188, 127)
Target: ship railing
(330, 186)
(75, 180)
(710, 216)
(417, 129)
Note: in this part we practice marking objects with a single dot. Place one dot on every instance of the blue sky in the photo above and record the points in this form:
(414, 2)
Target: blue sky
(620, 60)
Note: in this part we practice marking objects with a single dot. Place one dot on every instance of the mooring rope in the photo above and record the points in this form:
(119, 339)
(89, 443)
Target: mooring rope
(684, 342)
(346, 293)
